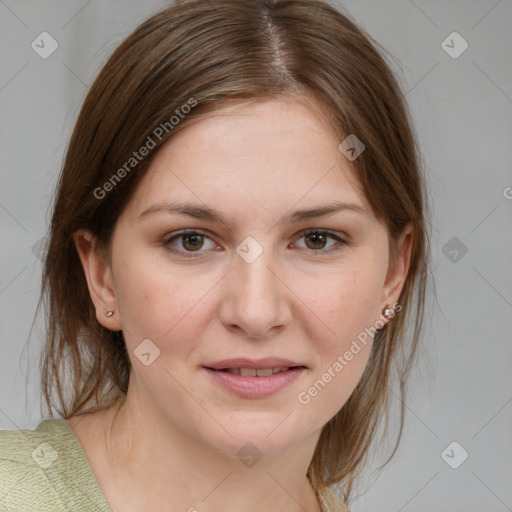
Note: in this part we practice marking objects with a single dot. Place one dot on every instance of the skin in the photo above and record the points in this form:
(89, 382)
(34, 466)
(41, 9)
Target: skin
(175, 439)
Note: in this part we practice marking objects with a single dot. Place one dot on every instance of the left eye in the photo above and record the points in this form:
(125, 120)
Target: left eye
(318, 240)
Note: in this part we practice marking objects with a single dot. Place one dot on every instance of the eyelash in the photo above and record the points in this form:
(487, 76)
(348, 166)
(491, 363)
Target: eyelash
(195, 254)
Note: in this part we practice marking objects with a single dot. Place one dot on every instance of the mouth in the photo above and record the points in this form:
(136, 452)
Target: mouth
(255, 383)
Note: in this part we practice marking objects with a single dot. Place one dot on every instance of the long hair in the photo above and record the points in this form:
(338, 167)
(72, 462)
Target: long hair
(174, 69)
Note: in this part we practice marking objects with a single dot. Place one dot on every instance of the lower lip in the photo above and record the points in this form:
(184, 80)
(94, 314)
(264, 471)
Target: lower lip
(255, 387)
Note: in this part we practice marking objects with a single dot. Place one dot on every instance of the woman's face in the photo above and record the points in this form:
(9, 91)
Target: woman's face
(253, 285)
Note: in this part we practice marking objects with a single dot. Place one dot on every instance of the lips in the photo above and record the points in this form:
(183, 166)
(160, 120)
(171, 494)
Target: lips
(255, 378)
(254, 387)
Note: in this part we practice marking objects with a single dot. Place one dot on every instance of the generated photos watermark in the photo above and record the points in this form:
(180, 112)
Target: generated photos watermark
(304, 397)
(150, 143)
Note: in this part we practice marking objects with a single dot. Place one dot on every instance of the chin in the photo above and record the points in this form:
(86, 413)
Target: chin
(258, 439)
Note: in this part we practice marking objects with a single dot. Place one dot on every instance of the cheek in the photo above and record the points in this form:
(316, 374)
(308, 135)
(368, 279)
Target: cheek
(346, 303)
(346, 306)
(155, 301)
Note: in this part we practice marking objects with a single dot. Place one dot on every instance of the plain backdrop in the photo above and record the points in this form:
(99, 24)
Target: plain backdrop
(461, 394)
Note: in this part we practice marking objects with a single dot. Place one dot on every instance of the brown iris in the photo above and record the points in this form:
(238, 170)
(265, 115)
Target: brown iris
(193, 241)
(318, 239)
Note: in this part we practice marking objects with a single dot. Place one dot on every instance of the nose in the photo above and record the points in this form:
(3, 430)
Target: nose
(256, 301)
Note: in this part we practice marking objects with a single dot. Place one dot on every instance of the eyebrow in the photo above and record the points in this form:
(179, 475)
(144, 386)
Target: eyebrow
(206, 213)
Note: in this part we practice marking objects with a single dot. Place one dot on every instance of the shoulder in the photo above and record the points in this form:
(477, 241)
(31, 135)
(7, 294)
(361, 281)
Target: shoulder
(26, 456)
(33, 448)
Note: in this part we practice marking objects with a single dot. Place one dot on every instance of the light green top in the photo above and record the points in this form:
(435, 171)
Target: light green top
(46, 470)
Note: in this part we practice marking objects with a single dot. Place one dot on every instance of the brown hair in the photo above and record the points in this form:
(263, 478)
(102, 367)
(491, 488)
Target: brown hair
(205, 54)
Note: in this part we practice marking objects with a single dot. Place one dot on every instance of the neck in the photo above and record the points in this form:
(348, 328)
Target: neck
(156, 464)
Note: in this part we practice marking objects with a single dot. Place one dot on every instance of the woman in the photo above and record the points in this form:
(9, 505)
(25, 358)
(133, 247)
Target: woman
(238, 245)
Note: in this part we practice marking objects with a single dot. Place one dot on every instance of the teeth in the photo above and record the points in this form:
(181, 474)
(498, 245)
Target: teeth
(264, 373)
(251, 372)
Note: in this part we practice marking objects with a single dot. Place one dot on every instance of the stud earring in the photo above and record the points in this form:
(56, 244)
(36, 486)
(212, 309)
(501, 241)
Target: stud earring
(109, 313)
(389, 312)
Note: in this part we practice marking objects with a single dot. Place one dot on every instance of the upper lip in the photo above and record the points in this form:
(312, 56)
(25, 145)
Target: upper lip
(257, 364)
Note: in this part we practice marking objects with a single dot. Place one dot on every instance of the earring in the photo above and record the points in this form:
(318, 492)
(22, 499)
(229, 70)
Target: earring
(109, 313)
(389, 312)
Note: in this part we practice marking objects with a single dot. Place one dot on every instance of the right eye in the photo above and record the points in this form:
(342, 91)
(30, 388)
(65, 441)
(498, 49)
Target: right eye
(191, 241)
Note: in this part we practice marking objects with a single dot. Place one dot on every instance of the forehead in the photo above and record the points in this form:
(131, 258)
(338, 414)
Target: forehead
(274, 153)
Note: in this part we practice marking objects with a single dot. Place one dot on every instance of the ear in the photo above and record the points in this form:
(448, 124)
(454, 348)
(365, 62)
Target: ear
(397, 273)
(98, 274)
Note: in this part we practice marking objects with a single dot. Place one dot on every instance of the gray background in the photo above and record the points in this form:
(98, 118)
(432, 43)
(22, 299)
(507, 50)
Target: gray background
(462, 108)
